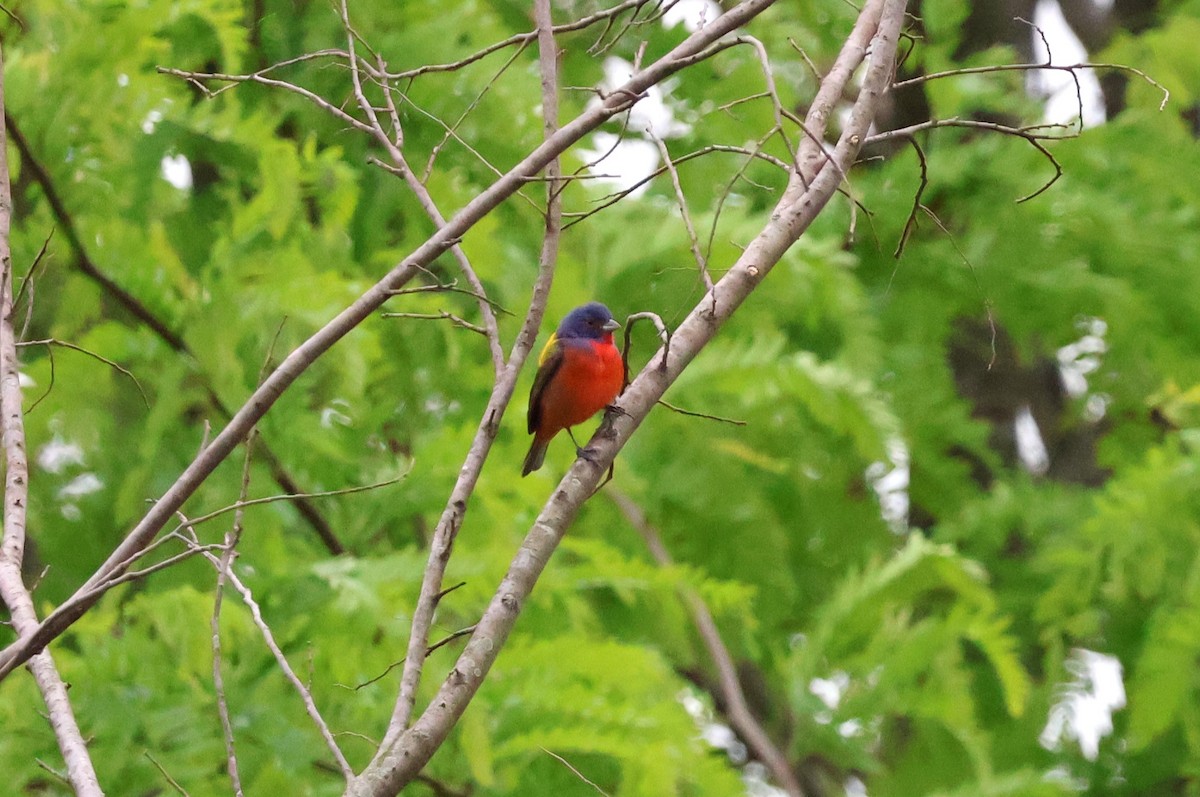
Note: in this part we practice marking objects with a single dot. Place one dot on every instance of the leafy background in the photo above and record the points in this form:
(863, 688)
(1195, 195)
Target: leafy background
(950, 632)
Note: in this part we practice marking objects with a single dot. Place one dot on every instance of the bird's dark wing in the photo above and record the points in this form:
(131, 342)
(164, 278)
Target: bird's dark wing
(548, 364)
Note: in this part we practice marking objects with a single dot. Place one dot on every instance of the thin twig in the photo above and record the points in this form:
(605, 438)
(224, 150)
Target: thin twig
(910, 223)
(27, 280)
(459, 634)
(617, 196)
(451, 288)
(98, 589)
(451, 131)
(441, 315)
(231, 540)
(979, 70)
(705, 415)
(162, 771)
(270, 499)
(491, 329)
(577, 773)
(664, 335)
(76, 347)
(681, 199)
(738, 175)
(519, 38)
(268, 636)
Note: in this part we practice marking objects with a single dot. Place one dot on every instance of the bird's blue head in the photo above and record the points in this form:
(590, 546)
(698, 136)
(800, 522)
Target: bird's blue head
(590, 321)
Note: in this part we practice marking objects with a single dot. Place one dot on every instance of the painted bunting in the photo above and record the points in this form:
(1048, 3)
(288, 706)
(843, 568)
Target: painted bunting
(579, 373)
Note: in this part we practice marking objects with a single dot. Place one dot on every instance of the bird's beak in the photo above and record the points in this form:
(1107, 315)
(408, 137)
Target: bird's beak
(610, 325)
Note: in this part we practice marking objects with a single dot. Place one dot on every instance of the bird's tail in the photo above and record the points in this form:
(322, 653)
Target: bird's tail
(536, 456)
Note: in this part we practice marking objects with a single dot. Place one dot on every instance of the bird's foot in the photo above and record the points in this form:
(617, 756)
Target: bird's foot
(613, 411)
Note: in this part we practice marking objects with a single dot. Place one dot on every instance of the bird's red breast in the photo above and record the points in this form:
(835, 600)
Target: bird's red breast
(587, 376)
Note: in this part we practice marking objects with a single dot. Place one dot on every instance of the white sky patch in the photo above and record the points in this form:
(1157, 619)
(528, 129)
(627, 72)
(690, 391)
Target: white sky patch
(651, 112)
(1031, 449)
(621, 164)
(754, 777)
(891, 485)
(25, 380)
(1062, 105)
(830, 690)
(1084, 711)
(622, 161)
(58, 454)
(693, 14)
(855, 787)
(151, 121)
(177, 170)
(333, 414)
(122, 80)
(1096, 407)
(1084, 356)
(81, 485)
(722, 737)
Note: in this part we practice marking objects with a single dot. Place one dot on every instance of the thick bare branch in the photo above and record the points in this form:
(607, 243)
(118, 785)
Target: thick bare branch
(80, 772)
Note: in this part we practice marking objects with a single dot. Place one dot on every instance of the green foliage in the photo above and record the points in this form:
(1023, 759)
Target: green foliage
(949, 644)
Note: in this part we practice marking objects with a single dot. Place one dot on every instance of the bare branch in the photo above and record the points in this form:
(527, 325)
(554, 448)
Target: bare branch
(1030, 134)
(85, 264)
(270, 499)
(228, 552)
(705, 415)
(27, 280)
(459, 634)
(491, 329)
(617, 196)
(701, 263)
(575, 771)
(741, 718)
(1072, 68)
(521, 38)
(442, 315)
(310, 705)
(450, 288)
(80, 772)
(75, 347)
(197, 78)
(910, 223)
(664, 335)
(451, 131)
(174, 783)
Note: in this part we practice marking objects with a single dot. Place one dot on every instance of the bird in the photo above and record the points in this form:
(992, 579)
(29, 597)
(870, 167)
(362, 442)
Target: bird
(579, 373)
